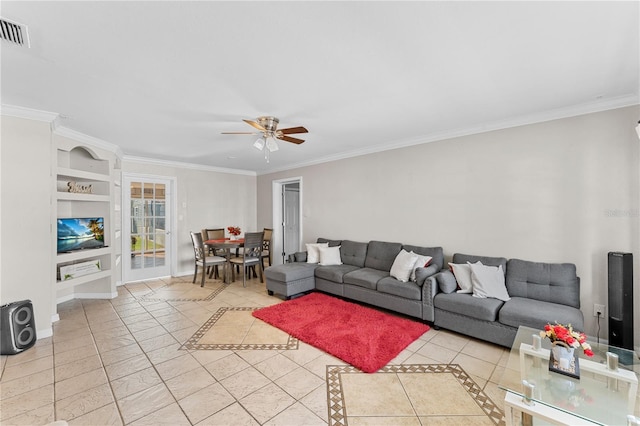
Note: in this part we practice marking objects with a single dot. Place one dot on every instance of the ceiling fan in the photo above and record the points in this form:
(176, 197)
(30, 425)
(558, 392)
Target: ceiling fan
(268, 127)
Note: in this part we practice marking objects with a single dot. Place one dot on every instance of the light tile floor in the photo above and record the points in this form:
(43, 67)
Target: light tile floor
(138, 359)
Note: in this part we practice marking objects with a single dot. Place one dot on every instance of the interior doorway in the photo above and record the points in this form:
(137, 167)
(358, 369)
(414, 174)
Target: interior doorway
(287, 218)
(291, 222)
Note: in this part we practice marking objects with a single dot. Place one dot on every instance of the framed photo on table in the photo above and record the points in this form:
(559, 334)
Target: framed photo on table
(569, 366)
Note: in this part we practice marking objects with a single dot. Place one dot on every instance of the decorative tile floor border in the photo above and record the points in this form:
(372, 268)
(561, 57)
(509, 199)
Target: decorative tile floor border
(335, 397)
(149, 297)
(192, 342)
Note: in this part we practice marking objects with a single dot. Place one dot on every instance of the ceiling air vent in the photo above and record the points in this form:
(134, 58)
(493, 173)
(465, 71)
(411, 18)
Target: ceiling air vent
(14, 32)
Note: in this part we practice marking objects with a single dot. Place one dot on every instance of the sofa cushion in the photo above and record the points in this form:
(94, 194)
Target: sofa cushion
(488, 281)
(485, 260)
(353, 253)
(334, 273)
(403, 265)
(536, 313)
(290, 271)
(466, 304)
(408, 290)
(380, 255)
(365, 277)
(332, 243)
(330, 256)
(548, 282)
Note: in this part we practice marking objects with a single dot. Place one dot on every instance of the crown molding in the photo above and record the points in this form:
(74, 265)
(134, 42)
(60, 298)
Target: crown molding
(28, 113)
(523, 120)
(190, 166)
(54, 120)
(534, 118)
(89, 140)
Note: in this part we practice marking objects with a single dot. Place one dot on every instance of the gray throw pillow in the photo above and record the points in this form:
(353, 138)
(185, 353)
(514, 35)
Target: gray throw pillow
(447, 282)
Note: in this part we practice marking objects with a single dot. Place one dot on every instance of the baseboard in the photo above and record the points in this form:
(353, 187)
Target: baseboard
(64, 299)
(96, 295)
(86, 296)
(43, 334)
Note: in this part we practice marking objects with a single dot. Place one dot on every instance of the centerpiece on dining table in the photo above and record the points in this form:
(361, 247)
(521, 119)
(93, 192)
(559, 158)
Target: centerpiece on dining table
(234, 231)
(564, 341)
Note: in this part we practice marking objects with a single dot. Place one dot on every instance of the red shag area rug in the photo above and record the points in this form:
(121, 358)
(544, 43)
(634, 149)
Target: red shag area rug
(363, 337)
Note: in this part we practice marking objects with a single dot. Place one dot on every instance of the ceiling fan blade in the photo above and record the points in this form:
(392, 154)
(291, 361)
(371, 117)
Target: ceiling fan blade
(254, 124)
(238, 133)
(290, 139)
(293, 130)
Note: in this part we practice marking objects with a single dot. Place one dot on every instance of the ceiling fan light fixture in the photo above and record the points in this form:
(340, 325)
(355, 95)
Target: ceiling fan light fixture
(272, 145)
(268, 129)
(259, 144)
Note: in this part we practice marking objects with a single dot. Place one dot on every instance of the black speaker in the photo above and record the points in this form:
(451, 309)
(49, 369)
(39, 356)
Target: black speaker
(17, 327)
(621, 300)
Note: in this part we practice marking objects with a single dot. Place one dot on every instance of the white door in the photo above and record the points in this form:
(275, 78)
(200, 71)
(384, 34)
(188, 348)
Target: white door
(147, 226)
(291, 222)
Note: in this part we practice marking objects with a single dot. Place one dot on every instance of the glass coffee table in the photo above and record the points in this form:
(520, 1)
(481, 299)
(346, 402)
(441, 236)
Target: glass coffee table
(601, 396)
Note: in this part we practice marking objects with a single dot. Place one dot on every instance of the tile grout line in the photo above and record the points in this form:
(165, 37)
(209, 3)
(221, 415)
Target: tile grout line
(150, 362)
(53, 346)
(104, 369)
(95, 310)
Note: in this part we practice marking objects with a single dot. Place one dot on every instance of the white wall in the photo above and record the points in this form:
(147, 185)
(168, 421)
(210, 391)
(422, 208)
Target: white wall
(205, 199)
(25, 226)
(560, 191)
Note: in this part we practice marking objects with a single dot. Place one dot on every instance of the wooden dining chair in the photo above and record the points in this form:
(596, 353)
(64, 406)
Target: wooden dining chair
(204, 260)
(266, 245)
(251, 256)
(213, 234)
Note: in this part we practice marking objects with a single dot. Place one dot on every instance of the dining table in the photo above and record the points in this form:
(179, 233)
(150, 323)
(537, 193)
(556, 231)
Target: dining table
(227, 245)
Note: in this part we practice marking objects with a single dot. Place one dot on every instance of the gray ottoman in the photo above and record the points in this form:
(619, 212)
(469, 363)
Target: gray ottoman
(290, 278)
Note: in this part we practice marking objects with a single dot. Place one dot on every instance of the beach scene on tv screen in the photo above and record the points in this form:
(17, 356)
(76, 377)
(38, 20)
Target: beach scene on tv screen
(80, 233)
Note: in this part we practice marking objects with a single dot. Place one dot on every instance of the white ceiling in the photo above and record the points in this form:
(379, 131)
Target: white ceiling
(163, 79)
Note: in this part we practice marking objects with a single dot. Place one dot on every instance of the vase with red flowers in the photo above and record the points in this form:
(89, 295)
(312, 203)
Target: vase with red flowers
(564, 341)
(234, 231)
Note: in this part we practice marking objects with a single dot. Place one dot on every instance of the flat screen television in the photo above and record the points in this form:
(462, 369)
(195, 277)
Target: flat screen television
(80, 233)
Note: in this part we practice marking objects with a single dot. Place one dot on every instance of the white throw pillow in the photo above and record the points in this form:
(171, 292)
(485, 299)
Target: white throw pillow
(488, 281)
(421, 262)
(462, 272)
(313, 255)
(330, 256)
(403, 265)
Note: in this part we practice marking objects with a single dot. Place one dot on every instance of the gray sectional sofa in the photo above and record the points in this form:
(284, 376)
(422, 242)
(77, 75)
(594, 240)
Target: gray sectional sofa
(363, 276)
(539, 292)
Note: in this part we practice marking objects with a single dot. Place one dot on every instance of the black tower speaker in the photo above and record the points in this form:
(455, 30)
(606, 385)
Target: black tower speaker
(621, 300)
(17, 327)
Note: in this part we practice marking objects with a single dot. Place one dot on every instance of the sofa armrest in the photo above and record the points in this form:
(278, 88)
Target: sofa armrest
(442, 282)
(429, 290)
(299, 256)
